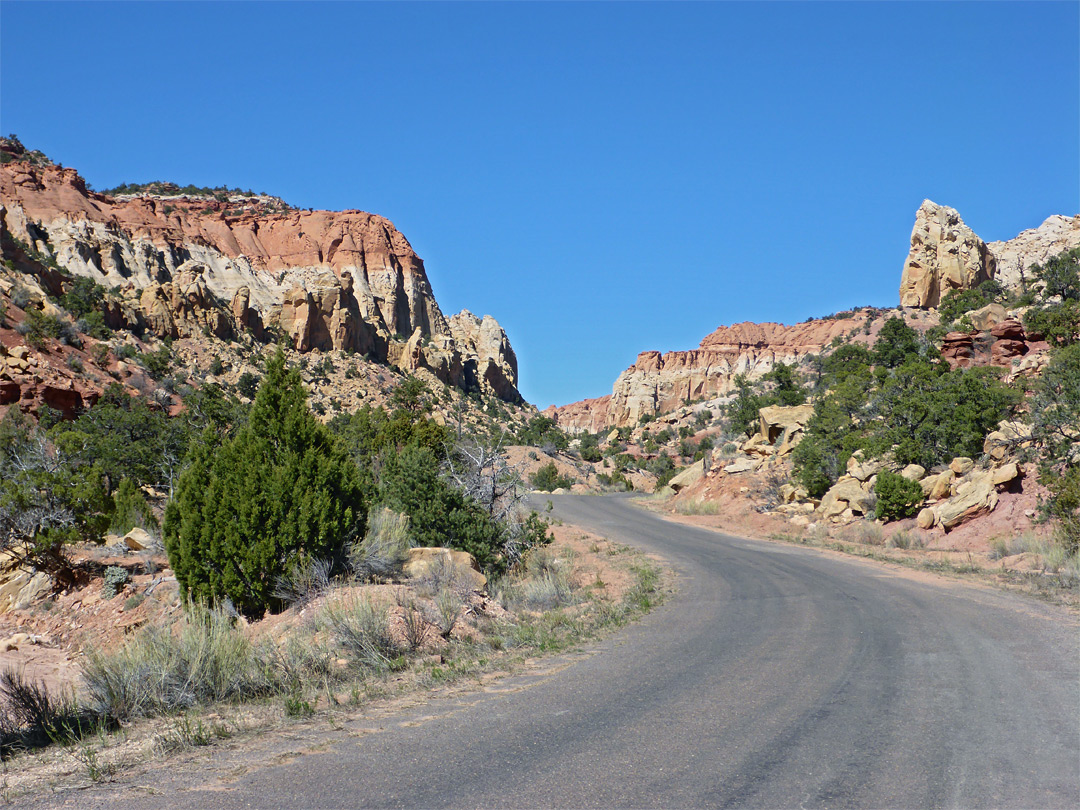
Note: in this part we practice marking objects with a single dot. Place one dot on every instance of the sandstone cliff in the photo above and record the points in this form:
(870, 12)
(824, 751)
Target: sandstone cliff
(947, 255)
(658, 383)
(345, 280)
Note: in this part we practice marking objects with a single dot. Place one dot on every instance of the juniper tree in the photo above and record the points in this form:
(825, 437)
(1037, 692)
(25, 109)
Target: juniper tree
(249, 508)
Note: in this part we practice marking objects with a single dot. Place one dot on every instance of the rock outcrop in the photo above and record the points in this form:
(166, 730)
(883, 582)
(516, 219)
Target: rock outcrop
(1015, 257)
(345, 280)
(945, 255)
(658, 383)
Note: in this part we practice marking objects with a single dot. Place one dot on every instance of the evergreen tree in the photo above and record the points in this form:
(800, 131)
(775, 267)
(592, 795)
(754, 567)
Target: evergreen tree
(247, 510)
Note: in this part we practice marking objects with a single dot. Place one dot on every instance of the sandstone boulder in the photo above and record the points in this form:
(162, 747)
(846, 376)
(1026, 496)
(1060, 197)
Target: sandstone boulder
(958, 348)
(1009, 437)
(913, 472)
(973, 497)
(426, 561)
(926, 518)
(1004, 475)
(1003, 351)
(1009, 329)
(846, 495)
(861, 469)
(138, 539)
(740, 465)
(691, 475)
(961, 465)
(987, 317)
(778, 423)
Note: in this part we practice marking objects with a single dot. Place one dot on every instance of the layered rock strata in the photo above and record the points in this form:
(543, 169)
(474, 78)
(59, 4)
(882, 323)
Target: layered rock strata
(345, 280)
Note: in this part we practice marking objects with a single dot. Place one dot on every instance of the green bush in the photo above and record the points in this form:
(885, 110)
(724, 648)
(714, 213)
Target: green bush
(548, 479)
(897, 496)
(440, 515)
(541, 431)
(131, 509)
(247, 510)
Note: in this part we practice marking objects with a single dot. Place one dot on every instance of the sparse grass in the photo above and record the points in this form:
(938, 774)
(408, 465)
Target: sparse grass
(162, 672)
(865, 533)
(362, 629)
(697, 508)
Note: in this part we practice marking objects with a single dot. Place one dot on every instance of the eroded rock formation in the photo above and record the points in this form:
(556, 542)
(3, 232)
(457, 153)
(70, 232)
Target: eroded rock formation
(345, 280)
(945, 255)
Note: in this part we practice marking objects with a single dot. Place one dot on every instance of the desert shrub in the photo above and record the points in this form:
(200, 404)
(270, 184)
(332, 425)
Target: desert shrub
(114, 579)
(362, 629)
(156, 363)
(48, 499)
(590, 447)
(897, 496)
(440, 514)
(541, 431)
(32, 718)
(548, 478)
(385, 547)
(126, 438)
(161, 672)
(249, 508)
(131, 509)
(247, 385)
(306, 580)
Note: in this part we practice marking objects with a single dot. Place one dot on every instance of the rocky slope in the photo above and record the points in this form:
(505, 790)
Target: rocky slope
(345, 280)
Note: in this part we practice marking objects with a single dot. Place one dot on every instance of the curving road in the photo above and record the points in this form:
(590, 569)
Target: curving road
(775, 677)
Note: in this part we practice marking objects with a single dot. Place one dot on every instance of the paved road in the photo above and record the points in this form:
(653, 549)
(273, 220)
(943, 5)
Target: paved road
(776, 677)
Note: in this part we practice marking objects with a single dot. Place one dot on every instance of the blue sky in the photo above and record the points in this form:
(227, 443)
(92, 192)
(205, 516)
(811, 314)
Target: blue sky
(602, 178)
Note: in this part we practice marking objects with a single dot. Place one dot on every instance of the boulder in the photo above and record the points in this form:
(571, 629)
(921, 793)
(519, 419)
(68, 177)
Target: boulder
(937, 487)
(861, 469)
(1009, 329)
(778, 423)
(945, 255)
(423, 562)
(1009, 436)
(913, 472)
(138, 539)
(926, 518)
(1003, 476)
(972, 497)
(961, 465)
(957, 348)
(987, 317)
(689, 476)
(1003, 351)
(740, 465)
(846, 495)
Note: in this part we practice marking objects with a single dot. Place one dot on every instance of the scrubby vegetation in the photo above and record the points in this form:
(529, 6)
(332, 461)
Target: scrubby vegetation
(898, 400)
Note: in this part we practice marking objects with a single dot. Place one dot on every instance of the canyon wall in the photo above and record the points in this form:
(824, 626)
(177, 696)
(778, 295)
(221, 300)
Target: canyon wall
(346, 280)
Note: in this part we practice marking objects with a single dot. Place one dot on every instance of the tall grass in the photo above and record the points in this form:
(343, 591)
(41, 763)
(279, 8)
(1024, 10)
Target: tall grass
(161, 671)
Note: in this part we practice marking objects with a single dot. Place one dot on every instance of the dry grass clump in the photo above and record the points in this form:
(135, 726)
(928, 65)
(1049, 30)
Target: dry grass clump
(864, 532)
(161, 671)
(385, 547)
(361, 627)
(544, 583)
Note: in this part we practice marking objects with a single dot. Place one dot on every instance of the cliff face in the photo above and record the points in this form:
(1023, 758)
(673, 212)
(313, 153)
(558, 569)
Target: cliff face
(947, 255)
(658, 383)
(344, 280)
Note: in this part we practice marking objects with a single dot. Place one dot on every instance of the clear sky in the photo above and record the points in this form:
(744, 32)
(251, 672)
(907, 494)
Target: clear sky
(602, 178)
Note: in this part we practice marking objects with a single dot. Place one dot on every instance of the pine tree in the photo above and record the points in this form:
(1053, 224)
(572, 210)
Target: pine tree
(244, 512)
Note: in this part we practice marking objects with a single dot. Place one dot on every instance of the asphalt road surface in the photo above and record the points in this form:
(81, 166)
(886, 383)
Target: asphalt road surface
(775, 677)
